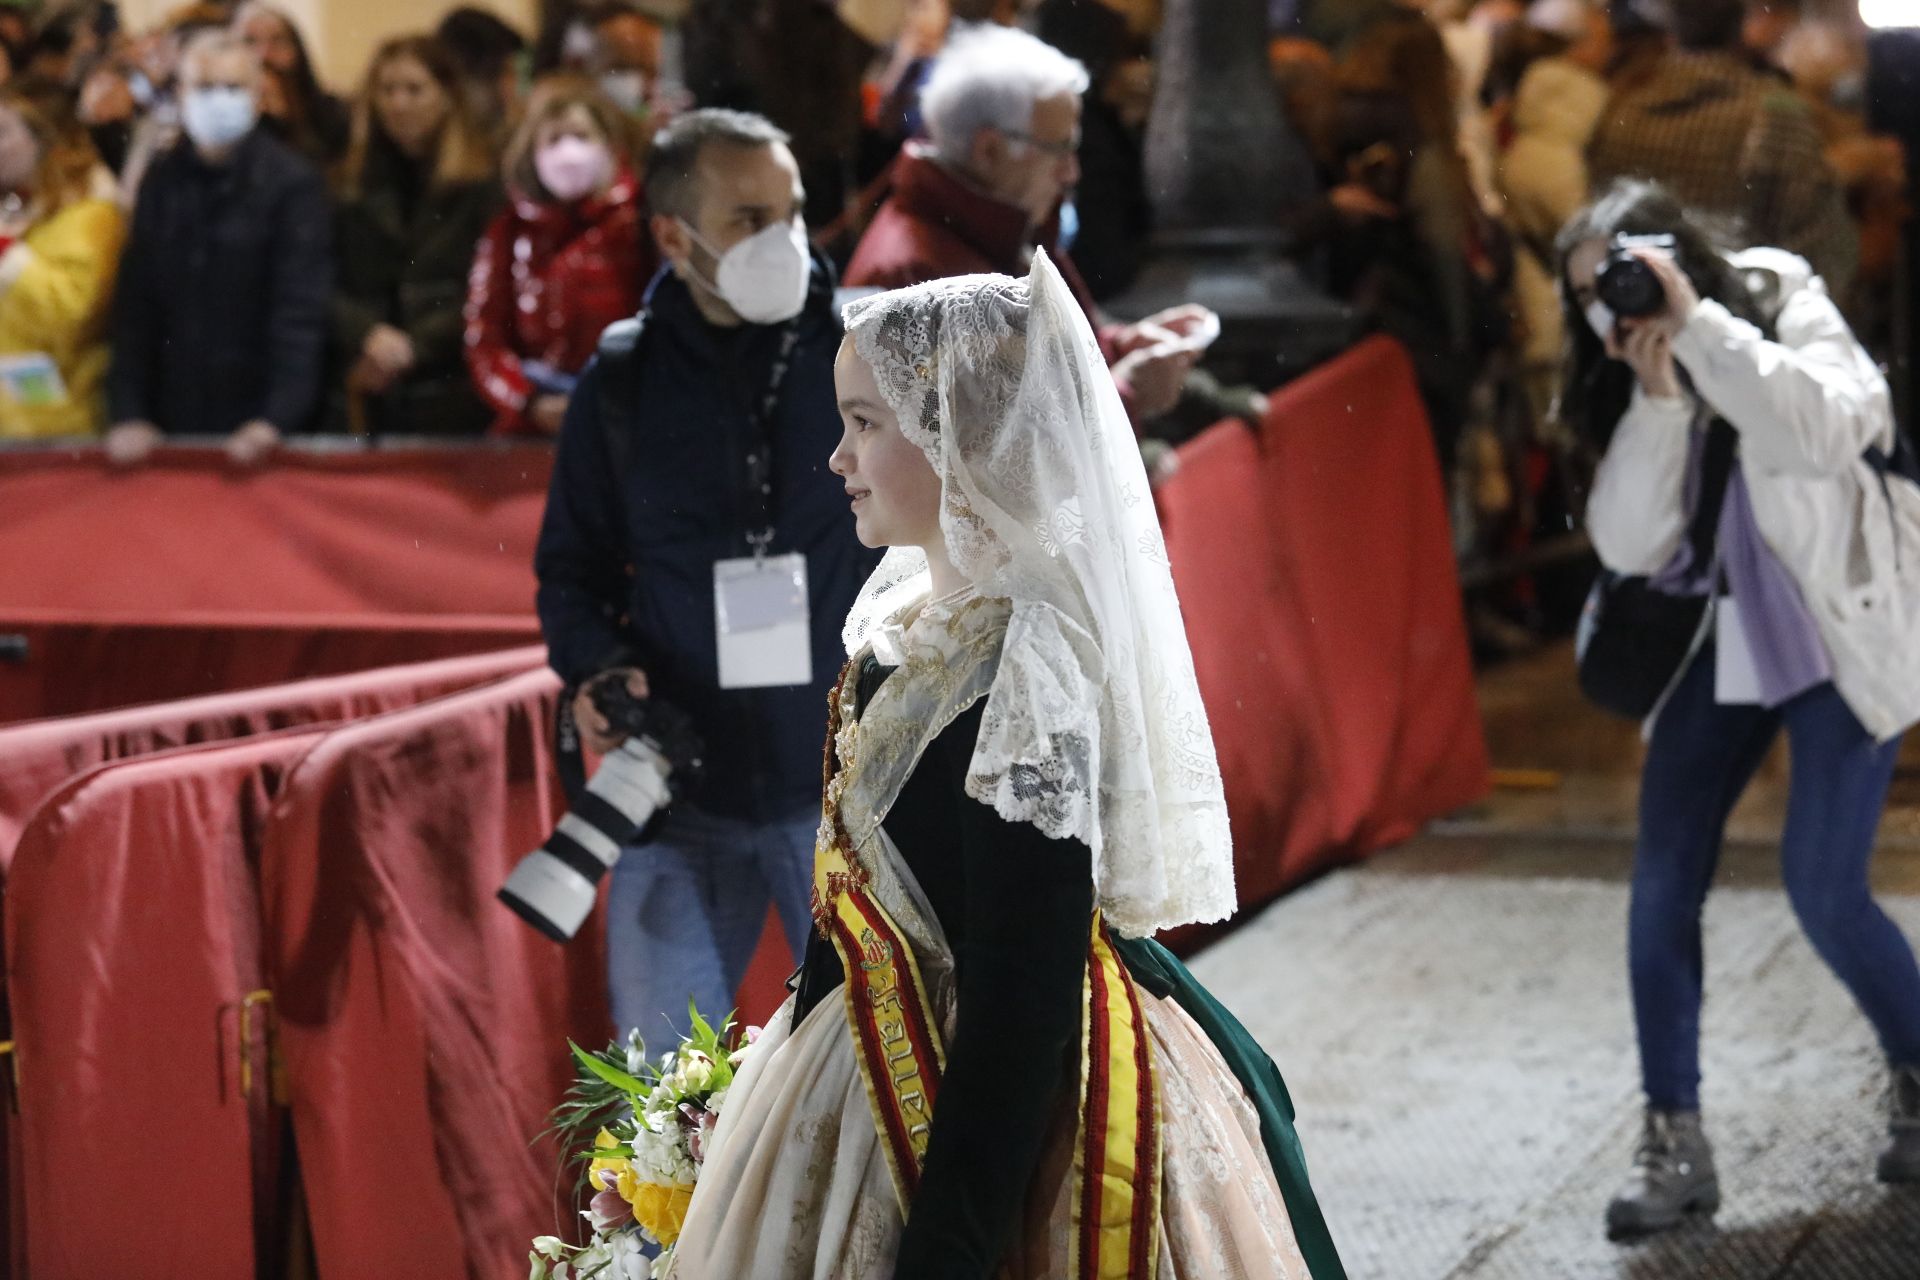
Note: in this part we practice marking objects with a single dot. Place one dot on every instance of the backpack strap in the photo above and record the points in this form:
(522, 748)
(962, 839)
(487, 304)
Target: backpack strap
(619, 380)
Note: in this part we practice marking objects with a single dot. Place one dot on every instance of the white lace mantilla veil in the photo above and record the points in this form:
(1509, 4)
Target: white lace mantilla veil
(1093, 727)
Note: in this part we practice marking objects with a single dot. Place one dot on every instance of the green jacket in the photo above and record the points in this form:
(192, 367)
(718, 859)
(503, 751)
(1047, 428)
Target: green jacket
(1160, 972)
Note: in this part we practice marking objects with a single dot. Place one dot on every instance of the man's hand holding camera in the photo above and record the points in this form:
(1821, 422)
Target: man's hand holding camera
(596, 733)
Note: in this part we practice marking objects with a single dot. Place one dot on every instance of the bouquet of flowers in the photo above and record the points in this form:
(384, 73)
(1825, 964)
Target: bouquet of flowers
(650, 1122)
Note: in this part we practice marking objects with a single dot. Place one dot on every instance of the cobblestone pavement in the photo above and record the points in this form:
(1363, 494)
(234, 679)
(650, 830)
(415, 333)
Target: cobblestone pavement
(1460, 1051)
(1452, 1018)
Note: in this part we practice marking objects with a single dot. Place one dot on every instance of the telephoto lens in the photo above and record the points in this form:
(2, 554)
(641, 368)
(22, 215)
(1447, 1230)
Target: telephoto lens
(1626, 283)
(554, 887)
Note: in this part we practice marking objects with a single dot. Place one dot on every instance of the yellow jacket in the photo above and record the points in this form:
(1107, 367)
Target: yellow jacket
(56, 286)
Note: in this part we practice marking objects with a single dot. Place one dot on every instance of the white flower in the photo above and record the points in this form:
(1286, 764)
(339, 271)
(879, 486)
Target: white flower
(697, 1074)
(625, 1260)
(549, 1246)
(718, 1099)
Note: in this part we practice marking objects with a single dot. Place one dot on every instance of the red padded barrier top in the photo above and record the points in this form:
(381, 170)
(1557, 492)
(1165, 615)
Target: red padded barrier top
(393, 531)
(37, 756)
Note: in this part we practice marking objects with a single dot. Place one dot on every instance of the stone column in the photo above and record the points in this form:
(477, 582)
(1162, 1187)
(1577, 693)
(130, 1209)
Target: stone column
(1219, 154)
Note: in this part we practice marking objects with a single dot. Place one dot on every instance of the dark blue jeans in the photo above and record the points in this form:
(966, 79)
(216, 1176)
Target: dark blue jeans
(1700, 760)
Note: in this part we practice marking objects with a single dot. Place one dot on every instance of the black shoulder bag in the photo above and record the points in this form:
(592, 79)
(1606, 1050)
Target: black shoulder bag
(1634, 637)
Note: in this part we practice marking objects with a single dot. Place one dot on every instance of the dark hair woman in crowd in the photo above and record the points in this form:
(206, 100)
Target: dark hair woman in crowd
(568, 256)
(490, 54)
(419, 189)
(306, 117)
(1746, 437)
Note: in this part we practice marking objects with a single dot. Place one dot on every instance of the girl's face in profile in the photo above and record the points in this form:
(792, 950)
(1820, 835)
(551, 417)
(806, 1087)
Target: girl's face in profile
(893, 489)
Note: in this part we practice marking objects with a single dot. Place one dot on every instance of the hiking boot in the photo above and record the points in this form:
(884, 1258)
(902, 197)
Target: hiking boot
(1900, 1162)
(1672, 1177)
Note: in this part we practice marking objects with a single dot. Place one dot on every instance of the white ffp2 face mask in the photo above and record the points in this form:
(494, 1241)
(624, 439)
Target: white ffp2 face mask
(764, 277)
(218, 115)
(1601, 317)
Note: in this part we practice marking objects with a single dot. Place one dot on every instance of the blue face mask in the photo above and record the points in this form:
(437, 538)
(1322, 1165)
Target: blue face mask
(218, 116)
(1069, 224)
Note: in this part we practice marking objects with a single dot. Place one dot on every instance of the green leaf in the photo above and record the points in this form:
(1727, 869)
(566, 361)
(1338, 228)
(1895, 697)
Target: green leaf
(613, 1075)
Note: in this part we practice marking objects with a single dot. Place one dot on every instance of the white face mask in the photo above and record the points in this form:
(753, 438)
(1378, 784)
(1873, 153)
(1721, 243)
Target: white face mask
(1601, 317)
(627, 88)
(218, 116)
(764, 277)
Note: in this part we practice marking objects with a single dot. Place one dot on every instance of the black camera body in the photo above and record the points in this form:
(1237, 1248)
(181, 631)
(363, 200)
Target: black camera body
(661, 725)
(554, 887)
(1628, 286)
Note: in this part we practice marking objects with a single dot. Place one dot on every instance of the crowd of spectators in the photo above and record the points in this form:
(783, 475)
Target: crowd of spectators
(202, 238)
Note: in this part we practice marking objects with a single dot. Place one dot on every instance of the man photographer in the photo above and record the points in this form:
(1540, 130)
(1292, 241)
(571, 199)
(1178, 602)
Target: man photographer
(697, 550)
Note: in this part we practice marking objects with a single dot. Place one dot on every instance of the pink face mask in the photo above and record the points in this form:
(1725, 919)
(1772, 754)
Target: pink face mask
(571, 168)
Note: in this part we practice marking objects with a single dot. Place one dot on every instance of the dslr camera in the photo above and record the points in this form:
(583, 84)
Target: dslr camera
(554, 887)
(1628, 285)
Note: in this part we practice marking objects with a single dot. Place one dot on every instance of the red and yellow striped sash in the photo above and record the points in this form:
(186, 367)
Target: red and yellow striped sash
(1117, 1169)
(1117, 1152)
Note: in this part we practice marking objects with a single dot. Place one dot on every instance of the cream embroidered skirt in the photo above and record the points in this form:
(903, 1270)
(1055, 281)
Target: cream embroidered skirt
(796, 1187)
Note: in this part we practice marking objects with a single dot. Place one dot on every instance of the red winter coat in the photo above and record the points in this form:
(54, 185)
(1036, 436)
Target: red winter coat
(933, 225)
(547, 280)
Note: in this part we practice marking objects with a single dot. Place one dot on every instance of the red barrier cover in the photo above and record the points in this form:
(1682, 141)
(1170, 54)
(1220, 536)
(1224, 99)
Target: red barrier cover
(1358, 512)
(401, 531)
(132, 937)
(40, 755)
(425, 1025)
(1316, 575)
(186, 577)
(1254, 668)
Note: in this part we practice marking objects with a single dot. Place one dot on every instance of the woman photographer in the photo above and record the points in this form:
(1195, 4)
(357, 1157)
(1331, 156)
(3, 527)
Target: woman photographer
(1747, 437)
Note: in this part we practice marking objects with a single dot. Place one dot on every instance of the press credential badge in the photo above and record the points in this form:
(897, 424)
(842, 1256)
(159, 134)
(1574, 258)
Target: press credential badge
(760, 618)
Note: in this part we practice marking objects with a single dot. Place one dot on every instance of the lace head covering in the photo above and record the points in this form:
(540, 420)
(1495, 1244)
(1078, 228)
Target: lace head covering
(1093, 727)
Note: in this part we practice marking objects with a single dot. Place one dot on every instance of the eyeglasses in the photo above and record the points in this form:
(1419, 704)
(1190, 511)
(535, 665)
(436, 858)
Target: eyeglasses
(1058, 150)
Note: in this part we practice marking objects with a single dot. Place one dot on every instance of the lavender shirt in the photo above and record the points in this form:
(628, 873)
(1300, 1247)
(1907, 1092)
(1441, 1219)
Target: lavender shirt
(1788, 655)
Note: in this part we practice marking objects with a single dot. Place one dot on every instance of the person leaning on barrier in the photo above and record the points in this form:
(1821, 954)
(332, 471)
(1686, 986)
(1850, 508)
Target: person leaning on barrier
(1757, 504)
(419, 188)
(696, 547)
(220, 316)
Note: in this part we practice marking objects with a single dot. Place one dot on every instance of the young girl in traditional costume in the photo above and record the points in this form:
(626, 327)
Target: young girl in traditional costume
(987, 1069)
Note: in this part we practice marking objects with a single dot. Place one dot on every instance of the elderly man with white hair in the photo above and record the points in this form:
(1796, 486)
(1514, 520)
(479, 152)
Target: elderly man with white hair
(221, 308)
(1002, 112)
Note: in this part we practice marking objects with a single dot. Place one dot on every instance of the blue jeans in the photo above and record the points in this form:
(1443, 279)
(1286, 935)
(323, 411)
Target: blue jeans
(1700, 760)
(686, 910)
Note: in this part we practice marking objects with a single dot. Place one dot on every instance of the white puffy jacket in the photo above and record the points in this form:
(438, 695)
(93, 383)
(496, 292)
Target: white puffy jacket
(1807, 406)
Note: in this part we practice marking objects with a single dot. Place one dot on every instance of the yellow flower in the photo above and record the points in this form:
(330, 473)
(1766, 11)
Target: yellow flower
(618, 1166)
(661, 1209)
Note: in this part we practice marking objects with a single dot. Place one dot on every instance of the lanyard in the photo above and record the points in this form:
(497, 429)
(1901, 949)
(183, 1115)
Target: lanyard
(760, 458)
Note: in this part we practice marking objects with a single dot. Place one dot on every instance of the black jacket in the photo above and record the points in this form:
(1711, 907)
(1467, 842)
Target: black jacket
(625, 560)
(402, 253)
(221, 310)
